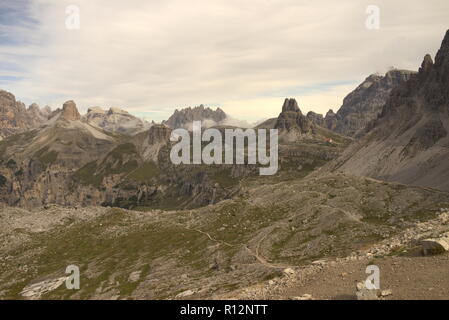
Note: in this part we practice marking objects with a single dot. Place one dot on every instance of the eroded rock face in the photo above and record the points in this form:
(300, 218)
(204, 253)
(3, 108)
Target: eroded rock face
(69, 111)
(15, 117)
(158, 134)
(116, 120)
(185, 117)
(408, 142)
(316, 118)
(365, 103)
(292, 119)
(331, 120)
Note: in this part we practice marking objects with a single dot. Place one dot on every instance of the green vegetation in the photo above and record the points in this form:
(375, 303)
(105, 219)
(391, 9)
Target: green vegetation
(11, 164)
(224, 178)
(2, 180)
(87, 175)
(46, 157)
(121, 159)
(103, 255)
(144, 173)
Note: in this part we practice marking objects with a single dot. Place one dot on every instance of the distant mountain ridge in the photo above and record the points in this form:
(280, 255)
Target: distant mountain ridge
(362, 105)
(15, 117)
(116, 120)
(185, 117)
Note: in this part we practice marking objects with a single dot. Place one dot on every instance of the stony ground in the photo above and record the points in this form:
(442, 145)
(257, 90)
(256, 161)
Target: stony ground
(405, 273)
(260, 245)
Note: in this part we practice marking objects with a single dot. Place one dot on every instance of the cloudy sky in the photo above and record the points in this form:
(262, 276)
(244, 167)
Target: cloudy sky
(152, 56)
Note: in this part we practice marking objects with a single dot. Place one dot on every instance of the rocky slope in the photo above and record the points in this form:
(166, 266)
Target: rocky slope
(295, 127)
(36, 165)
(404, 271)
(116, 120)
(409, 141)
(69, 161)
(272, 232)
(292, 122)
(365, 103)
(15, 117)
(184, 118)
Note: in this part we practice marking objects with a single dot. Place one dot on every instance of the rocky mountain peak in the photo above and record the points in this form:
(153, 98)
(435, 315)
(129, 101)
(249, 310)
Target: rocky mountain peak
(442, 57)
(96, 110)
(407, 142)
(292, 119)
(69, 111)
(158, 133)
(185, 117)
(116, 120)
(365, 103)
(114, 110)
(34, 107)
(291, 105)
(330, 113)
(46, 110)
(15, 117)
(5, 95)
(316, 118)
(427, 64)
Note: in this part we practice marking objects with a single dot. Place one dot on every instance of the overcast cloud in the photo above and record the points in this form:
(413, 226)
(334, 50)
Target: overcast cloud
(151, 56)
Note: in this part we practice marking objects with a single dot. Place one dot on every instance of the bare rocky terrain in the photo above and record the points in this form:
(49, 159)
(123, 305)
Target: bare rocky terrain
(183, 118)
(116, 120)
(409, 141)
(214, 250)
(364, 104)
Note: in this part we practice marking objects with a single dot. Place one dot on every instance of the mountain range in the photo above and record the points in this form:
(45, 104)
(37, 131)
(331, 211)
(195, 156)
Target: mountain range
(409, 141)
(365, 185)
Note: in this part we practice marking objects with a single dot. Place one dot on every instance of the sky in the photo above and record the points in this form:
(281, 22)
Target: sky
(152, 56)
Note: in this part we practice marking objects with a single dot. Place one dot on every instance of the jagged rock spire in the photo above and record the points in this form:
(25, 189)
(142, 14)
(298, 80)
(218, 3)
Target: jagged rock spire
(290, 105)
(69, 111)
(427, 64)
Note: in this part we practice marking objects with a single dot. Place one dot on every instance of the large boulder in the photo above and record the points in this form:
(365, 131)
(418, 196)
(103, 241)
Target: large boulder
(435, 245)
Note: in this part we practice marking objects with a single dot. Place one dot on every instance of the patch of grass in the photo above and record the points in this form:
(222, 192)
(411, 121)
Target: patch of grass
(145, 172)
(125, 148)
(87, 175)
(2, 180)
(224, 178)
(11, 164)
(46, 157)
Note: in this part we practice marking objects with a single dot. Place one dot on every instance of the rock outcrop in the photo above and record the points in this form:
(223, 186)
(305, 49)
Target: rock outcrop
(291, 121)
(316, 118)
(331, 120)
(365, 103)
(116, 120)
(69, 111)
(15, 117)
(184, 118)
(408, 142)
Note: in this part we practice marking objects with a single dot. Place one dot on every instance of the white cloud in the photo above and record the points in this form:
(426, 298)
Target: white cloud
(246, 56)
